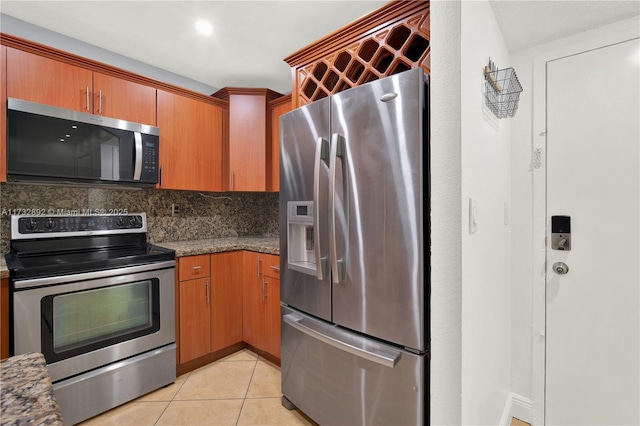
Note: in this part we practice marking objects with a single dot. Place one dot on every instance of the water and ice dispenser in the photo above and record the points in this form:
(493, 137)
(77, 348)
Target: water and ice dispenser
(300, 235)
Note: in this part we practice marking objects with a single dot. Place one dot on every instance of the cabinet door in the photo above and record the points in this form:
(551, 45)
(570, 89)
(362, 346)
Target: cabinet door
(282, 107)
(195, 328)
(3, 114)
(126, 100)
(190, 143)
(226, 299)
(247, 142)
(272, 316)
(253, 300)
(46, 81)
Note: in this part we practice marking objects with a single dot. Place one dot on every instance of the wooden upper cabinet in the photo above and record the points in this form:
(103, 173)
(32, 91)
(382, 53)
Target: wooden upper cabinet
(190, 143)
(277, 107)
(247, 140)
(126, 100)
(47, 81)
(3, 113)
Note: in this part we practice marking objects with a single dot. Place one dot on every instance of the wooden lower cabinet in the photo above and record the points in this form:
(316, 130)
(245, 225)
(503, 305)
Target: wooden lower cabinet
(252, 311)
(261, 297)
(226, 297)
(272, 316)
(195, 323)
(214, 316)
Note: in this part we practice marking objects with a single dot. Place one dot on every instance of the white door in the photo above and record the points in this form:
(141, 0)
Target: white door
(593, 176)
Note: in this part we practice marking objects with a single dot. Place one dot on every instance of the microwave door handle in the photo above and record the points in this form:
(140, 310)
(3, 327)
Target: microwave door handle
(137, 171)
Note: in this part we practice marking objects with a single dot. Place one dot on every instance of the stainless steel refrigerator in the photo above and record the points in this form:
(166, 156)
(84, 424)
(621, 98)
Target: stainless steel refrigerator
(354, 265)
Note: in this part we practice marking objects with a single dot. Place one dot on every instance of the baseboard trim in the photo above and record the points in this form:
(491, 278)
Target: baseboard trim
(521, 408)
(516, 406)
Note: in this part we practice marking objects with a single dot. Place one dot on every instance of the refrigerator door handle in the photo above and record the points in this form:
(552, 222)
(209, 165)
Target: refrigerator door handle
(322, 153)
(338, 150)
(386, 358)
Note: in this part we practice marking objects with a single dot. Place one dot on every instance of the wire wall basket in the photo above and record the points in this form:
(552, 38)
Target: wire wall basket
(502, 91)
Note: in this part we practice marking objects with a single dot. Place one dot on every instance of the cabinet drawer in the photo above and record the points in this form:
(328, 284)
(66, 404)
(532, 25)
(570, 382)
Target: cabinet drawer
(271, 265)
(192, 267)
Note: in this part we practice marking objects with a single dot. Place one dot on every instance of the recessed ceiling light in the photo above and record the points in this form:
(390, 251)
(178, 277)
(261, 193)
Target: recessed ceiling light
(204, 28)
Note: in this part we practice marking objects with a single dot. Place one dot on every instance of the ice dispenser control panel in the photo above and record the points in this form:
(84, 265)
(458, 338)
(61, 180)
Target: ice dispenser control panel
(300, 236)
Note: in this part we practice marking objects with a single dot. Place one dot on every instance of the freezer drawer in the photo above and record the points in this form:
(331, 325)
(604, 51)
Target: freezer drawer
(337, 377)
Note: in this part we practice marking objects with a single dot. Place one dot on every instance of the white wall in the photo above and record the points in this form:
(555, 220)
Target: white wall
(470, 274)
(528, 208)
(446, 244)
(486, 254)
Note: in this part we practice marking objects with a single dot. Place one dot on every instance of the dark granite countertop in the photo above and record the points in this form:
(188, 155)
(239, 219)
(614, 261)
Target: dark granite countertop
(270, 245)
(26, 396)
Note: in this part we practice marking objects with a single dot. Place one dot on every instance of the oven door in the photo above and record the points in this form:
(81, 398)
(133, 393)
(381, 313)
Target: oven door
(84, 321)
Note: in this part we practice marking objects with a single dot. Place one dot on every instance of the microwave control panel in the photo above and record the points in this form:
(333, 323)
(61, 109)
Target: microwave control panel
(149, 159)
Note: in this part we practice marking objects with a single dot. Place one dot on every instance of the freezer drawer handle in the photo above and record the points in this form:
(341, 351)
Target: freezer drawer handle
(383, 358)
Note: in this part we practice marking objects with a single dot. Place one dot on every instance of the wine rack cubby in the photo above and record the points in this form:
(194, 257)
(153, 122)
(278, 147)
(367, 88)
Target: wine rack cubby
(390, 40)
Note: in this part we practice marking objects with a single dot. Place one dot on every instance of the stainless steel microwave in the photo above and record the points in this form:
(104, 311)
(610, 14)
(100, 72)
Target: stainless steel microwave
(55, 145)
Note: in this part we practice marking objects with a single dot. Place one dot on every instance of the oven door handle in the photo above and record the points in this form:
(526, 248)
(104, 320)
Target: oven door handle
(40, 282)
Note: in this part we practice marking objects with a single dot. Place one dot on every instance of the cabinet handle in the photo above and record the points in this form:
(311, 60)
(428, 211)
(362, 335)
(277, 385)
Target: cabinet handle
(275, 268)
(87, 93)
(259, 266)
(208, 291)
(100, 102)
(233, 181)
(264, 289)
(160, 178)
(195, 268)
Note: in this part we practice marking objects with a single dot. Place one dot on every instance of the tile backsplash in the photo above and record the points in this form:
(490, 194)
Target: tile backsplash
(201, 215)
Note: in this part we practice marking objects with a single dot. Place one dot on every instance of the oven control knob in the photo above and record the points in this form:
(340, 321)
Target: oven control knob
(133, 221)
(31, 225)
(120, 221)
(50, 224)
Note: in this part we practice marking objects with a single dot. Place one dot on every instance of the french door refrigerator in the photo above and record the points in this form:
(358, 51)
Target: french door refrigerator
(354, 268)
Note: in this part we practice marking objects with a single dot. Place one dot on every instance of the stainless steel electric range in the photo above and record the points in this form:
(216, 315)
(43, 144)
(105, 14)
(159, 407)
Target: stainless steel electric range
(98, 301)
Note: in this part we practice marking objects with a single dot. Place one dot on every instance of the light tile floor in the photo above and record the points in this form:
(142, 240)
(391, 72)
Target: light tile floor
(241, 389)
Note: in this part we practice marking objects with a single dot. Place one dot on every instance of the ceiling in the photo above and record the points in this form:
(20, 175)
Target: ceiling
(249, 42)
(251, 38)
(530, 23)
